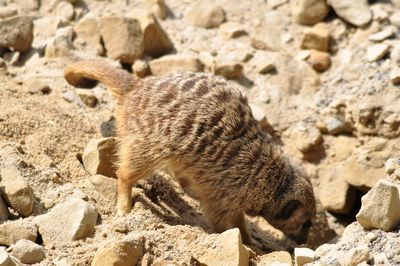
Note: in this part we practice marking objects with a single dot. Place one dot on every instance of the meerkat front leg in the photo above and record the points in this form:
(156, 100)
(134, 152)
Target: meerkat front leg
(239, 222)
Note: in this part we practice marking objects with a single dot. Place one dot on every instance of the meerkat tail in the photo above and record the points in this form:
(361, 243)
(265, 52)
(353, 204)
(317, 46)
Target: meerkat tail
(85, 74)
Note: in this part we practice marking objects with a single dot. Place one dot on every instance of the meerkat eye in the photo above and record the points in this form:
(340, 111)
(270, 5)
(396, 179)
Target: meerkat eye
(287, 211)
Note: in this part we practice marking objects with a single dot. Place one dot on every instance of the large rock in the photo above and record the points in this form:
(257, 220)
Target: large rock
(120, 253)
(356, 12)
(309, 12)
(172, 64)
(105, 186)
(16, 33)
(27, 252)
(281, 258)
(68, 221)
(227, 250)
(123, 38)
(335, 194)
(205, 14)
(99, 156)
(88, 36)
(380, 206)
(156, 40)
(17, 191)
(12, 231)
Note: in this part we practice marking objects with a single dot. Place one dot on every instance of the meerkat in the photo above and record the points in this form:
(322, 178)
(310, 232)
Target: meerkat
(202, 130)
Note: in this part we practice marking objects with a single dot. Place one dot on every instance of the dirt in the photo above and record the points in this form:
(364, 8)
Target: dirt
(45, 135)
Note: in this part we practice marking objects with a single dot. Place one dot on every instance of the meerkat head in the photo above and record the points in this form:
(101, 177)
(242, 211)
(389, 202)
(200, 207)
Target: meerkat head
(292, 207)
(295, 204)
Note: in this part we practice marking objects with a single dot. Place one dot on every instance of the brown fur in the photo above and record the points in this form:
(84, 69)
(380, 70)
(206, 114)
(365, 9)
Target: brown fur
(203, 130)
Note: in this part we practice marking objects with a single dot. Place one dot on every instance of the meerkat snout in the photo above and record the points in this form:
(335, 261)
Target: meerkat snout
(202, 130)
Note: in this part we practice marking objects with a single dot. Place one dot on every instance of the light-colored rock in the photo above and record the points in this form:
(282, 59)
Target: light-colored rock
(39, 86)
(12, 58)
(120, 253)
(335, 126)
(205, 14)
(27, 5)
(264, 64)
(305, 138)
(382, 35)
(380, 207)
(395, 75)
(59, 46)
(377, 51)
(169, 64)
(303, 55)
(379, 13)
(106, 186)
(391, 165)
(99, 156)
(335, 194)
(156, 40)
(87, 97)
(356, 12)
(395, 19)
(12, 231)
(359, 175)
(229, 69)
(159, 8)
(141, 68)
(8, 11)
(18, 193)
(323, 250)
(88, 35)
(266, 40)
(357, 256)
(65, 11)
(123, 38)
(277, 258)
(16, 33)
(5, 259)
(230, 30)
(68, 221)
(316, 38)
(228, 250)
(259, 115)
(27, 252)
(319, 61)
(303, 256)
(309, 12)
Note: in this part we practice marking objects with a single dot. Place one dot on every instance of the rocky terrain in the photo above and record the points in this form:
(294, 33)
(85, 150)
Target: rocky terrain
(322, 78)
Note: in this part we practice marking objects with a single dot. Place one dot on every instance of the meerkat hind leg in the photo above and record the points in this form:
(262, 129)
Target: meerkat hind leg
(131, 169)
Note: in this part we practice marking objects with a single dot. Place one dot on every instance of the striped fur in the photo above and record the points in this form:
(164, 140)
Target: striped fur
(202, 129)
